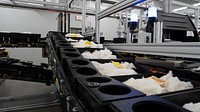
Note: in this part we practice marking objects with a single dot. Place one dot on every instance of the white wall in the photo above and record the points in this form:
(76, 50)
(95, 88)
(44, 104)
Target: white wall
(27, 54)
(20, 20)
(108, 26)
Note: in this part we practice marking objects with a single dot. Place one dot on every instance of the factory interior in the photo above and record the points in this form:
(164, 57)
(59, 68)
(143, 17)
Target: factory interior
(99, 55)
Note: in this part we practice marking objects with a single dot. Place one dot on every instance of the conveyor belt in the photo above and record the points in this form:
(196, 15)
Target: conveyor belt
(185, 50)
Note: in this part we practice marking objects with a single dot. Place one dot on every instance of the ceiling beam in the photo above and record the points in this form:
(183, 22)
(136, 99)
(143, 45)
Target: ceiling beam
(119, 7)
(40, 2)
(108, 1)
(59, 9)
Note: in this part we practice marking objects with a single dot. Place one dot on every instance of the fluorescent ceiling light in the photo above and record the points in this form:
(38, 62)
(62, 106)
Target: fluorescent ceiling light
(178, 9)
(197, 4)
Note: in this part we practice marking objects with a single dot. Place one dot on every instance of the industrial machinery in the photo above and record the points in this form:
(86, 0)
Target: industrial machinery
(172, 27)
(163, 27)
(83, 88)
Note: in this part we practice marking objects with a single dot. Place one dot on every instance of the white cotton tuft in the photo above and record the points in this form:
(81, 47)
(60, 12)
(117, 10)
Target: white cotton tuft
(147, 86)
(109, 69)
(102, 54)
(174, 84)
(82, 44)
(150, 86)
(194, 107)
(196, 69)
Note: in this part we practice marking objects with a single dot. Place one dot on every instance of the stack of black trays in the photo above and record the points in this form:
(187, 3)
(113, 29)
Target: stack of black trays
(14, 37)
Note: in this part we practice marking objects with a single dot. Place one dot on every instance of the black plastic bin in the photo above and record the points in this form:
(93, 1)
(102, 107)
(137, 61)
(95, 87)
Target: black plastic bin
(80, 38)
(70, 66)
(139, 69)
(97, 92)
(70, 55)
(81, 50)
(187, 73)
(72, 50)
(61, 45)
(92, 50)
(76, 68)
(196, 84)
(146, 104)
(4, 37)
(182, 98)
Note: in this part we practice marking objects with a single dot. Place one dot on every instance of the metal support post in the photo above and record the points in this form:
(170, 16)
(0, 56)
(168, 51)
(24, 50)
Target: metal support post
(157, 32)
(170, 6)
(140, 22)
(128, 40)
(154, 32)
(161, 32)
(83, 15)
(97, 21)
(119, 32)
(167, 6)
(69, 26)
(65, 22)
(196, 22)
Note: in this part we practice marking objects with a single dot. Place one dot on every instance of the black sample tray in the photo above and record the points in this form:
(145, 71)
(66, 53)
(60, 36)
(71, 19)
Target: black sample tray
(80, 38)
(79, 67)
(88, 49)
(4, 37)
(146, 104)
(64, 50)
(139, 69)
(55, 37)
(196, 84)
(70, 55)
(83, 49)
(76, 68)
(97, 92)
(182, 98)
(62, 45)
(187, 73)
(113, 53)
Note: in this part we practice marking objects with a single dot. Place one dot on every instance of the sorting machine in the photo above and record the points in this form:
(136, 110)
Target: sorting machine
(82, 88)
(167, 27)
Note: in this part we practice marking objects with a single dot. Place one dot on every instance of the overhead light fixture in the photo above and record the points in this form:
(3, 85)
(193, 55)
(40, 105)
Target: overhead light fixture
(197, 4)
(179, 9)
